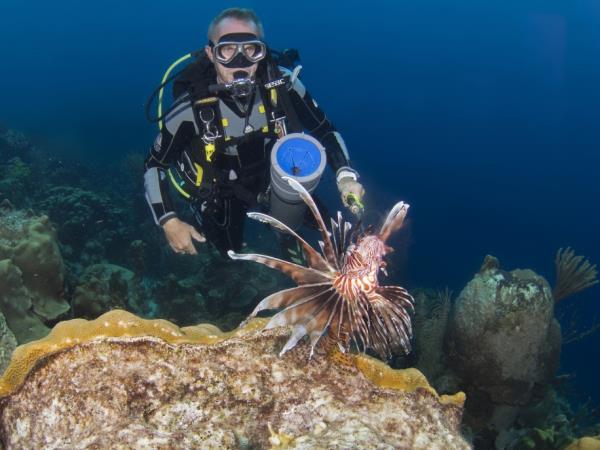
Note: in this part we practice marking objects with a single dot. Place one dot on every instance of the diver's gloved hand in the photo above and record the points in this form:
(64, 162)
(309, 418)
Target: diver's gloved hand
(180, 234)
(351, 191)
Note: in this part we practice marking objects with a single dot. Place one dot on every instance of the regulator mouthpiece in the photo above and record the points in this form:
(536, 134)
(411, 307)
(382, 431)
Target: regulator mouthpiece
(242, 86)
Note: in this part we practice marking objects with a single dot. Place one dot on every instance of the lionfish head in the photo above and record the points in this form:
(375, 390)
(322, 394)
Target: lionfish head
(372, 249)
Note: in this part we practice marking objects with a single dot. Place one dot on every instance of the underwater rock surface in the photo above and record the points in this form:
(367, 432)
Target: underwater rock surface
(503, 336)
(121, 380)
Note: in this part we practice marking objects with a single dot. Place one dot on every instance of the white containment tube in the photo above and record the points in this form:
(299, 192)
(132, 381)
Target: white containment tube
(299, 156)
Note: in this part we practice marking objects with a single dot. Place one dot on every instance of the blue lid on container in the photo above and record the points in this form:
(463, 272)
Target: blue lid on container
(298, 156)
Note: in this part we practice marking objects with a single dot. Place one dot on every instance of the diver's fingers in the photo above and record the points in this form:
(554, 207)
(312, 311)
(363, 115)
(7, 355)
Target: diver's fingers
(190, 249)
(361, 190)
(197, 236)
(181, 247)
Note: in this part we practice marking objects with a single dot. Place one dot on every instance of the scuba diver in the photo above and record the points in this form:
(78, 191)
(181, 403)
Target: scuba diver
(232, 104)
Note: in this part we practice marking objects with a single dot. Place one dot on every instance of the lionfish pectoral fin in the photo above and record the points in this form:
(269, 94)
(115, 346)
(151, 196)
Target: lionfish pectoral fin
(285, 297)
(297, 334)
(300, 274)
(392, 306)
(328, 250)
(309, 316)
(298, 331)
(397, 295)
(394, 220)
(313, 258)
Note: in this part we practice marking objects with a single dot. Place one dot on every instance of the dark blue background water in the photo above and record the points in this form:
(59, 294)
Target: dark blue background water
(485, 116)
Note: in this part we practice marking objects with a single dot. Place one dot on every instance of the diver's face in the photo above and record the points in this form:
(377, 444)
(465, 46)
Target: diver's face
(227, 26)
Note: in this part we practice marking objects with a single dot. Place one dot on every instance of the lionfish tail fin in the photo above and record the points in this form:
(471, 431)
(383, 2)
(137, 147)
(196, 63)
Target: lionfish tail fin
(328, 250)
(300, 274)
(394, 220)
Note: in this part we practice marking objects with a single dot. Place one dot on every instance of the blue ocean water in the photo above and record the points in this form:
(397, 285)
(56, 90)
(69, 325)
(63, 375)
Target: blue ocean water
(484, 116)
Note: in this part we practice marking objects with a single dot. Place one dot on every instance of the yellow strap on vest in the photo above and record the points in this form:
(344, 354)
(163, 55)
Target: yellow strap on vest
(274, 97)
(207, 100)
(199, 173)
(209, 150)
(177, 186)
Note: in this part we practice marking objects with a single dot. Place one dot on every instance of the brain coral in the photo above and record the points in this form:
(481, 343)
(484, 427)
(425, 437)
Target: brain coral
(121, 381)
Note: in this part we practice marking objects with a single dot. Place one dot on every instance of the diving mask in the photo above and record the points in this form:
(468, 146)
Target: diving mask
(236, 50)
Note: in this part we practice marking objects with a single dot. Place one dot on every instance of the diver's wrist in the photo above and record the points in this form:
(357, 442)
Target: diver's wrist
(345, 175)
(166, 218)
(346, 172)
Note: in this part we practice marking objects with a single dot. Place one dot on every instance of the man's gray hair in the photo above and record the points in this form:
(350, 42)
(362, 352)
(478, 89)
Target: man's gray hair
(241, 14)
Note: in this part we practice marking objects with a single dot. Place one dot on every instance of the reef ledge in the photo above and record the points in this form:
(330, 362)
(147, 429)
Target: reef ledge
(123, 380)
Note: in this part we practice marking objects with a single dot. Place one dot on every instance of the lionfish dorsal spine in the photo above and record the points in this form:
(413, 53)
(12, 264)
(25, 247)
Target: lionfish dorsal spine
(300, 274)
(328, 250)
(394, 220)
(313, 258)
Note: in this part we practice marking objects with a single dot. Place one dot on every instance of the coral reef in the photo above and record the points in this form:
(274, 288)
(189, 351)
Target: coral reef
(16, 305)
(214, 292)
(8, 343)
(31, 274)
(573, 274)
(103, 287)
(90, 223)
(149, 384)
(432, 310)
(544, 425)
(15, 180)
(12, 143)
(503, 340)
(585, 443)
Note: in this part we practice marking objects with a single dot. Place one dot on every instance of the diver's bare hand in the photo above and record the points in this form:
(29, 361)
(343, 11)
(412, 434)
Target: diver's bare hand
(180, 234)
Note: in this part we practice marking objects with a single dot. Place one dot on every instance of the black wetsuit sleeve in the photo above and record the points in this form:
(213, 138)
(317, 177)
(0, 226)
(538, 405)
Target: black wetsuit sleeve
(163, 153)
(316, 123)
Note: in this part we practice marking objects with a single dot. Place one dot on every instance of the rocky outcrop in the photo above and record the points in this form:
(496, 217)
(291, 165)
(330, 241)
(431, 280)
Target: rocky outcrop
(123, 381)
(503, 338)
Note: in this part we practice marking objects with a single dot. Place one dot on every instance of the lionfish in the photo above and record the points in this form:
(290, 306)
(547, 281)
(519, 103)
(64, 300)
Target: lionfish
(339, 292)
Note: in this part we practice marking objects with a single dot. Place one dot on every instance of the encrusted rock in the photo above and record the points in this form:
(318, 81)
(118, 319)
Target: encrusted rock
(120, 381)
(503, 336)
